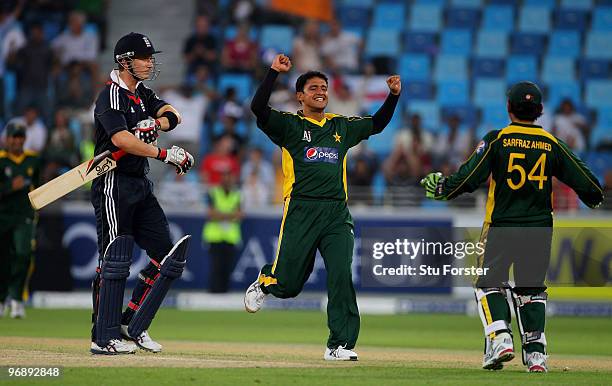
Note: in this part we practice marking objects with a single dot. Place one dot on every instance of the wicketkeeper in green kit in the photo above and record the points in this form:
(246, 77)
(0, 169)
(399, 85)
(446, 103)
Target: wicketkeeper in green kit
(315, 216)
(522, 160)
(19, 173)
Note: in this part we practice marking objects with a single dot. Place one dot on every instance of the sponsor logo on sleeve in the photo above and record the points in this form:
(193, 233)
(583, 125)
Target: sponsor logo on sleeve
(481, 146)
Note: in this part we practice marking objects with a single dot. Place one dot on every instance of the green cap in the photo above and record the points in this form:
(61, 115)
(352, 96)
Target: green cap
(14, 129)
(525, 92)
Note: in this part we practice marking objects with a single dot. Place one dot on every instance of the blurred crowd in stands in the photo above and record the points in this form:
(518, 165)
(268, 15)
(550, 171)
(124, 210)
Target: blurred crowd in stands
(52, 51)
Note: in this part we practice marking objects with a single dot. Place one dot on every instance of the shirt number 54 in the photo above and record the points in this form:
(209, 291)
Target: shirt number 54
(536, 173)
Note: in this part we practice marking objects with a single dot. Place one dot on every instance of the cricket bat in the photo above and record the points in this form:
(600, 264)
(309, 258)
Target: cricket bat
(72, 179)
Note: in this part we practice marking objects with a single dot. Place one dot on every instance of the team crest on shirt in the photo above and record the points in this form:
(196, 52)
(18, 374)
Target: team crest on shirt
(306, 136)
(480, 147)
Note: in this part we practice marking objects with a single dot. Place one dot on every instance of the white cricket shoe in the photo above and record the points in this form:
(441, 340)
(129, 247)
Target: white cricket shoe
(143, 341)
(339, 354)
(536, 362)
(114, 347)
(17, 309)
(254, 297)
(501, 350)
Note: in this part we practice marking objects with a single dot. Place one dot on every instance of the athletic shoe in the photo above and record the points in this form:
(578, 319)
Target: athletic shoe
(501, 350)
(143, 341)
(114, 347)
(254, 297)
(17, 310)
(339, 354)
(536, 362)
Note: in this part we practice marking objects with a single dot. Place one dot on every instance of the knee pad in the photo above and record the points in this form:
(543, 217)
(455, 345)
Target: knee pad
(113, 275)
(490, 322)
(171, 268)
(530, 313)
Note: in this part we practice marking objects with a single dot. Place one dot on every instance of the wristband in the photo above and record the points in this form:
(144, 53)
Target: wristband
(172, 119)
(161, 154)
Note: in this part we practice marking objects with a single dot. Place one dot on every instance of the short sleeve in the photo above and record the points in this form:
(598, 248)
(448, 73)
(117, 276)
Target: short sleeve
(358, 129)
(152, 102)
(277, 126)
(110, 110)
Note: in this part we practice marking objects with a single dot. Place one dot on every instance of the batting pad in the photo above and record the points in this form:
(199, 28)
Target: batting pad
(114, 273)
(171, 269)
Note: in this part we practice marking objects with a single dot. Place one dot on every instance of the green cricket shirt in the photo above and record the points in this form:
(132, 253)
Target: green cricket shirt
(522, 159)
(314, 152)
(15, 204)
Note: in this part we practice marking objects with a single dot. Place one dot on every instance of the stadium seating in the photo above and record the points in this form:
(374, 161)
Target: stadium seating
(425, 18)
(565, 44)
(453, 93)
(602, 19)
(598, 45)
(242, 84)
(597, 94)
(389, 16)
(499, 18)
(382, 42)
(277, 37)
(450, 67)
(488, 68)
(463, 18)
(570, 19)
(492, 43)
(415, 67)
(456, 42)
(429, 112)
(534, 19)
(594, 69)
(558, 91)
(354, 17)
(521, 67)
(423, 42)
(489, 92)
(558, 69)
(527, 43)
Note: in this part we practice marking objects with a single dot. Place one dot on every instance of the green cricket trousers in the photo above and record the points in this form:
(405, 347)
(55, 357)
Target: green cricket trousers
(325, 225)
(16, 237)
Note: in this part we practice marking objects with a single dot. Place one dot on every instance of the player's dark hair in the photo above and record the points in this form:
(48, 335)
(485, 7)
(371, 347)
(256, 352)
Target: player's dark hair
(526, 111)
(302, 79)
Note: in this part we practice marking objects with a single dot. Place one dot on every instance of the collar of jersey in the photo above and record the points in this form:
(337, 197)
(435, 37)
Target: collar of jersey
(525, 125)
(320, 123)
(114, 75)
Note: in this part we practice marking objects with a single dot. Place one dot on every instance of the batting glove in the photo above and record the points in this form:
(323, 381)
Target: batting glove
(147, 130)
(433, 183)
(177, 156)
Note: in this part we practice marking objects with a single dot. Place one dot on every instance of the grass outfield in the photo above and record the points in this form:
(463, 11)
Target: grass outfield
(285, 347)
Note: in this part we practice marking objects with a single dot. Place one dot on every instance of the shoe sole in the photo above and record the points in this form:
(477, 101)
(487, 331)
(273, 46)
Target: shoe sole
(537, 369)
(351, 359)
(99, 352)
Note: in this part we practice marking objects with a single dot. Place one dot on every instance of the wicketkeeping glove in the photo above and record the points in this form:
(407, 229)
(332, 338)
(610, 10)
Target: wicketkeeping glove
(433, 183)
(147, 130)
(177, 156)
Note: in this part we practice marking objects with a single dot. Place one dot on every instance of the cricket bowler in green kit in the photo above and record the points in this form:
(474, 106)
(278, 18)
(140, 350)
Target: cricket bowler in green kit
(19, 173)
(522, 160)
(315, 216)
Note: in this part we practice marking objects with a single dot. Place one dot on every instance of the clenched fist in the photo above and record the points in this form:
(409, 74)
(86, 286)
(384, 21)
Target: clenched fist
(395, 84)
(281, 63)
